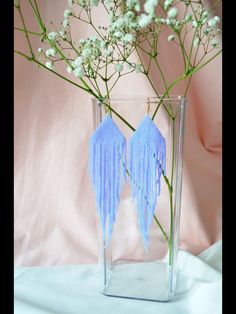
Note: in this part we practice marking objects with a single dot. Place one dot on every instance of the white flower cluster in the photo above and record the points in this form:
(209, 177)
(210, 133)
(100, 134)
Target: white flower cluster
(53, 35)
(85, 3)
(202, 23)
(51, 52)
(67, 14)
(150, 7)
(134, 4)
(124, 30)
(50, 65)
(167, 4)
(90, 51)
(123, 27)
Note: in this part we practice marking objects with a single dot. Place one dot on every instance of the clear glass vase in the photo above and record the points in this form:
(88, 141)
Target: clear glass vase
(126, 269)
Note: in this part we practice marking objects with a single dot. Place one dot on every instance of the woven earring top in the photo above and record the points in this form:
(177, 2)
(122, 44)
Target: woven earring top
(107, 130)
(147, 127)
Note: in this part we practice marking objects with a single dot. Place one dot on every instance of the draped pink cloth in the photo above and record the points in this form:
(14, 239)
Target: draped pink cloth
(55, 221)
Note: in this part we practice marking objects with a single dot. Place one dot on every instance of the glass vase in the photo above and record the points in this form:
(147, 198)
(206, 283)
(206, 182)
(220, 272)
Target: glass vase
(126, 269)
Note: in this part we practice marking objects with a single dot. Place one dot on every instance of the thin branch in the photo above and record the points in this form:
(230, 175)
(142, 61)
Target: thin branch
(29, 32)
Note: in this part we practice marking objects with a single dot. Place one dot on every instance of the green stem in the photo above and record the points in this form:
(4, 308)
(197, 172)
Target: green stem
(119, 116)
(30, 58)
(161, 73)
(208, 61)
(180, 78)
(25, 30)
(186, 90)
(38, 18)
(107, 89)
(29, 32)
(161, 228)
(154, 88)
(184, 54)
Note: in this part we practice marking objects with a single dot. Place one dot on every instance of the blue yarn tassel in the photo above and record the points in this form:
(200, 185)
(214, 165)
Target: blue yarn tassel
(107, 168)
(147, 160)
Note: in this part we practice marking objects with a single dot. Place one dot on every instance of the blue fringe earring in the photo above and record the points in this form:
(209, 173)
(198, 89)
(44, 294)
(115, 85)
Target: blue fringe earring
(107, 149)
(147, 160)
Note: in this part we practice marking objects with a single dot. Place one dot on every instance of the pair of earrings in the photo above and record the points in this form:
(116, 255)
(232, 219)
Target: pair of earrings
(108, 169)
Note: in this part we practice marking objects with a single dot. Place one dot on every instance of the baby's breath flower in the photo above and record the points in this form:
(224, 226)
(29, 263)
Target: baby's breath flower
(96, 52)
(138, 68)
(119, 67)
(40, 50)
(212, 23)
(214, 43)
(65, 23)
(128, 38)
(102, 44)
(204, 14)
(67, 13)
(82, 41)
(50, 65)
(71, 2)
(86, 52)
(196, 42)
(95, 2)
(163, 21)
(206, 31)
(120, 23)
(93, 38)
(144, 20)
(177, 25)
(133, 25)
(203, 21)
(217, 19)
(51, 52)
(107, 2)
(78, 61)
(118, 34)
(111, 17)
(107, 52)
(149, 6)
(133, 4)
(79, 72)
(62, 34)
(129, 14)
(137, 7)
(188, 17)
(52, 35)
(69, 69)
(82, 3)
(171, 37)
(168, 22)
(194, 24)
(172, 13)
(167, 4)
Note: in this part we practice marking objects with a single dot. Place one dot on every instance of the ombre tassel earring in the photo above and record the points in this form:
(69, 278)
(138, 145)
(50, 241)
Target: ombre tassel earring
(147, 160)
(107, 149)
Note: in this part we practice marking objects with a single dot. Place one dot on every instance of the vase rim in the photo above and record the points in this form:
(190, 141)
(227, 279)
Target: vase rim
(145, 98)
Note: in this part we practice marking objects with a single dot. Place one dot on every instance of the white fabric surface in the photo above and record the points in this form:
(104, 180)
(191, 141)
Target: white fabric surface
(75, 289)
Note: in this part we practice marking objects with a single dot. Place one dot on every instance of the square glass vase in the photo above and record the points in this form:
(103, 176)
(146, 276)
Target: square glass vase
(126, 269)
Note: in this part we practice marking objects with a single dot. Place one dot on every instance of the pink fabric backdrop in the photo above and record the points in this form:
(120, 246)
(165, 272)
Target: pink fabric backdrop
(55, 220)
